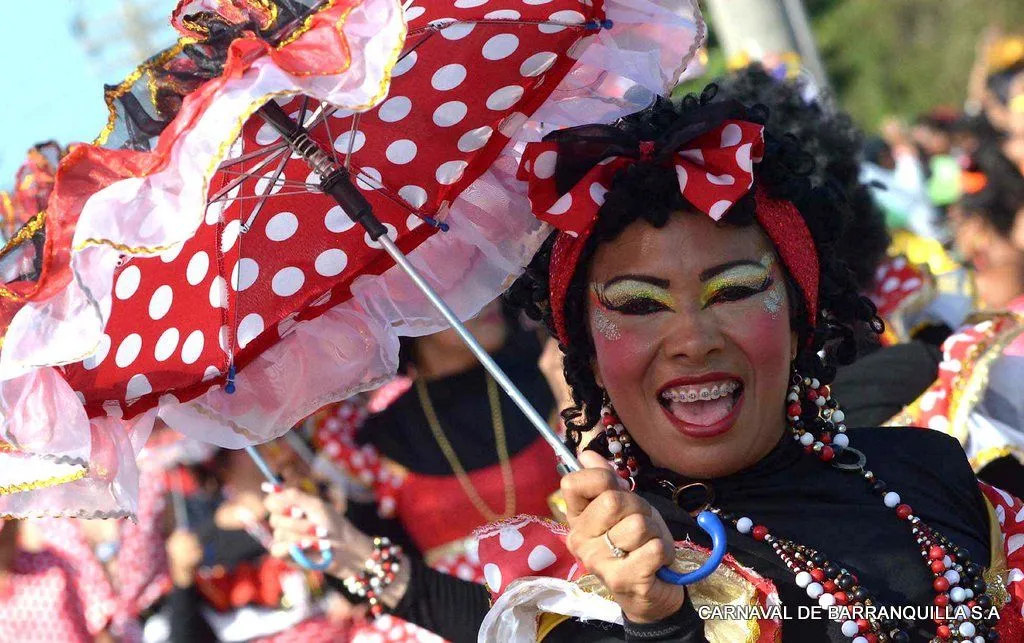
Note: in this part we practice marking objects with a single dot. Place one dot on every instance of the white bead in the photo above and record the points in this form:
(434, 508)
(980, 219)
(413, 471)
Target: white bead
(615, 447)
(803, 579)
(952, 576)
(979, 639)
(966, 629)
(815, 383)
(792, 397)
(957, 594)
(947, 561)
(814, 590)
(891, 499)
(838, 416)
(820, 401)
(807, 439)
(744, 525)
(860, 639)
(841, 440)
(826, 600)
(850, 628)
(968, 594)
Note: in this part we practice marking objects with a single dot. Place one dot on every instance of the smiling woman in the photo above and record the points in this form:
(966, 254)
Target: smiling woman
(694, 291)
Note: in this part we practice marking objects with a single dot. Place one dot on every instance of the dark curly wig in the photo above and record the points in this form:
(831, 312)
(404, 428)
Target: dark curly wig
(649, 192)
(837, 146)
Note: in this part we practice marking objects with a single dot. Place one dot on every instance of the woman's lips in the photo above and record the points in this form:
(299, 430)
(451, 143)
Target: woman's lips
(704, 418)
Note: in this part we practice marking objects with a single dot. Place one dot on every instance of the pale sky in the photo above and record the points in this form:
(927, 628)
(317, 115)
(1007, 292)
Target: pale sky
(54, 86)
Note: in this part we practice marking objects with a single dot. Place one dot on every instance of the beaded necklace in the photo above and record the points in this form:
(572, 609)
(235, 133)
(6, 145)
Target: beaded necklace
(816, 422)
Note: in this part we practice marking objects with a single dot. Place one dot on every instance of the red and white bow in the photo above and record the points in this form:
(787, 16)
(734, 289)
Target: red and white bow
(714, 170)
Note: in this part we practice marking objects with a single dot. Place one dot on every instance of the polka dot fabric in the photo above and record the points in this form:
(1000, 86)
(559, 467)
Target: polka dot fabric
(1009, 512)
(41, 601)
(256, 268)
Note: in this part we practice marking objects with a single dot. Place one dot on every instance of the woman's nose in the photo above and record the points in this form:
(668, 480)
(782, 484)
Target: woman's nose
(694, 335)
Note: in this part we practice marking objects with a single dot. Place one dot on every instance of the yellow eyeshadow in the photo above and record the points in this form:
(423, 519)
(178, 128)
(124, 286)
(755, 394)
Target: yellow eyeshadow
(623, 292)
(746, 276)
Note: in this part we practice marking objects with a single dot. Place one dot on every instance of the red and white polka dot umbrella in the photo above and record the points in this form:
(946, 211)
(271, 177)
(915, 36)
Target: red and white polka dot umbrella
(276, 303)
(275, 251)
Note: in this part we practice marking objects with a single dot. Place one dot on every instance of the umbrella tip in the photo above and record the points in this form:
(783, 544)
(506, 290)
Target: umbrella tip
(229, 387)
(597, 25)
(440, 225)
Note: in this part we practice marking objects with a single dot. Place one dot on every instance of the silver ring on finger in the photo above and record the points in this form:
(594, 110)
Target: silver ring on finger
(617, 552)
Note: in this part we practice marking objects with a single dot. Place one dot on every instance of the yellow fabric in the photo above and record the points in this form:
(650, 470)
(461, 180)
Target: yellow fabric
(996, 574)
(548, 622)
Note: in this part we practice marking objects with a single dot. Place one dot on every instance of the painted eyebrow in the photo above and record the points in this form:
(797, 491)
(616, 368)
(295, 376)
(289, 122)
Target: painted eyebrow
(647, 279)
(720, 268)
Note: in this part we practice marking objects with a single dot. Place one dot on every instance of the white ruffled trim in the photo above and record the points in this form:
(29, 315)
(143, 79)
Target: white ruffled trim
(513, 617)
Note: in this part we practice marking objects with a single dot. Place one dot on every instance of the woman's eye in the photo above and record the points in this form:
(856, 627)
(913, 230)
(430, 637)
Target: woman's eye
(642, 306)
(735, 293)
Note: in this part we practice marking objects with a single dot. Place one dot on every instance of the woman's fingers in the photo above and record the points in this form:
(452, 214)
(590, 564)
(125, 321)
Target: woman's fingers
(607, 510)
(581, 487)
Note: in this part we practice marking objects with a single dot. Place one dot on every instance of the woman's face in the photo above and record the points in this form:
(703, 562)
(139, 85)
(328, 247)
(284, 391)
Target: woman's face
(998, 263)
(693, 343)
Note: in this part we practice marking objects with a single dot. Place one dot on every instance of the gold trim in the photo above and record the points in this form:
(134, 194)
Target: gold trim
(966, 394)
(125, 87)
(120, 247)
(43, 484)
(547, 622)
(996, 574)
(986, 456)
(25, 233)
(307, 24)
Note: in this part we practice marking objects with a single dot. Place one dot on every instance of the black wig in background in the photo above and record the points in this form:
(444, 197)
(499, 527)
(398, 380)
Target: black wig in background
(830, 137)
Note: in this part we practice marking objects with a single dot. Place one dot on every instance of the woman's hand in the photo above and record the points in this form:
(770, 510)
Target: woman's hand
(306, 520)
(598, 507)
(184, 553)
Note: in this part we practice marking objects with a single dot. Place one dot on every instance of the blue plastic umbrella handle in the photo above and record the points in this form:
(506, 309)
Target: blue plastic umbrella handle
(710, 523)
(303, 561)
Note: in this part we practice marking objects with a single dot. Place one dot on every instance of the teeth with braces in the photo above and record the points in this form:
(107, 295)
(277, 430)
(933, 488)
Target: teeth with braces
(692, 394)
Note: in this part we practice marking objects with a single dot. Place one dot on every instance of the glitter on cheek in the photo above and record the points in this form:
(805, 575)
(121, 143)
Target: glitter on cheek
(773, 300)
(605, 326)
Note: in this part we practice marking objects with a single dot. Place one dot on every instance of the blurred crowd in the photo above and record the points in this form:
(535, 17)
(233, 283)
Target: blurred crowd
(439, 451)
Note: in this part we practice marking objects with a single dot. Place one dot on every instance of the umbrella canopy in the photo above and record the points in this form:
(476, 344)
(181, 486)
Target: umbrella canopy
(268, 302)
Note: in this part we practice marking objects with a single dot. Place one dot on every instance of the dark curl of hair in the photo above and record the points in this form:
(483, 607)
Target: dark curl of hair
(649, 192)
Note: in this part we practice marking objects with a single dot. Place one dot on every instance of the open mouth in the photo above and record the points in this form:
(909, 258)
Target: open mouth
(703, 409)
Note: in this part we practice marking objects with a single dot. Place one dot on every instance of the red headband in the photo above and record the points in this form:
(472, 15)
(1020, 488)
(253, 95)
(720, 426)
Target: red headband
(714, 169)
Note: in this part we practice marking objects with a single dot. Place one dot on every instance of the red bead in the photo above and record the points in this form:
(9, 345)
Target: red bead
(808, 450)
(825, 391)
(760, 531)
(903, 512)
(623, 473)
(609, 420)
(827, 454)
(794, 410)
(841, 598)
(825, 438)
(936, 552)
(938, 566)
(818, 574)
(940, 584)
(811, 395)
(830, 586)
(943, 632)
(631, 462)
(863, 625)
(942, 600)
(871, 637)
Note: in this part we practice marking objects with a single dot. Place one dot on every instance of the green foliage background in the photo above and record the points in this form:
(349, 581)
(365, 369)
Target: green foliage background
(903, 57)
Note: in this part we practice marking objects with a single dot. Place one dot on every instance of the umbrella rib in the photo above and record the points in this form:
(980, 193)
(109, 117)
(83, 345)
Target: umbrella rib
(251, 155)
(351, 140)
(235, 182)
(330, 137)
(259, 206)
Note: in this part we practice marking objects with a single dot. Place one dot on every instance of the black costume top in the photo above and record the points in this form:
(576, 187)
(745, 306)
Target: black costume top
(802, 499)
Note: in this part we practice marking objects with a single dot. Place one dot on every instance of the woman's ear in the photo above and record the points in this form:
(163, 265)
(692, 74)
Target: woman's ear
(794, 345)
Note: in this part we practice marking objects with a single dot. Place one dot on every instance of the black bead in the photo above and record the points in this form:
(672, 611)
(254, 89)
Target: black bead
(992, 635)
(963, 555)
(818, 559)
(978, 587)
(972, 569)
(879, 486)
(984, 600)
(860, 594)
(830, 569)
(899, 636)
(845, 581)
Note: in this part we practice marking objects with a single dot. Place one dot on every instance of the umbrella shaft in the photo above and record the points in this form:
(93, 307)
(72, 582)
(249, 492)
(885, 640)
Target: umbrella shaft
(264, 468)
(567, 457)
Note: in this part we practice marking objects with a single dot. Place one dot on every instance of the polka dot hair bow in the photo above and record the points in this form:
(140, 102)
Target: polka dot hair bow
(712, 149)
(714, 171)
